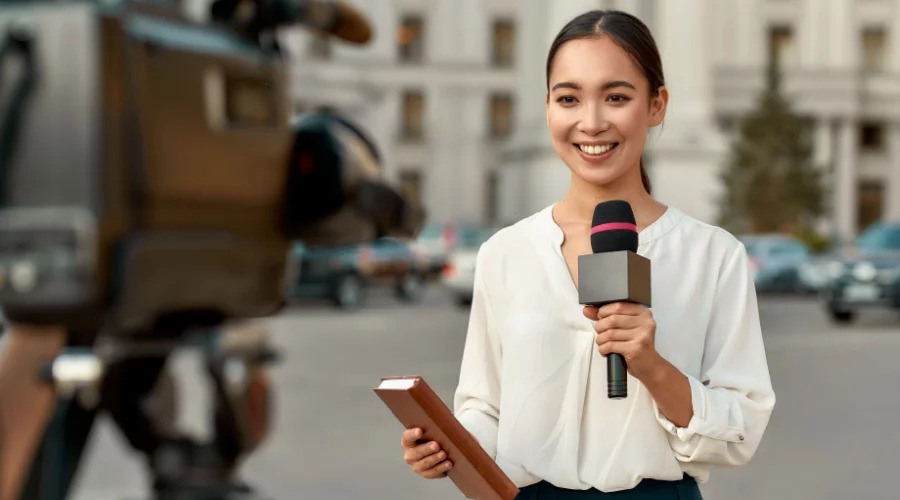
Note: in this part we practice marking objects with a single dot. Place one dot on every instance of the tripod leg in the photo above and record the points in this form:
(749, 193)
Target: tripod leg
(59, 455)
(125, 385)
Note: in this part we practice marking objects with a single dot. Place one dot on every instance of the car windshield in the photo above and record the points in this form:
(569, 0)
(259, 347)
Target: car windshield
(788, 249)
(879, 238)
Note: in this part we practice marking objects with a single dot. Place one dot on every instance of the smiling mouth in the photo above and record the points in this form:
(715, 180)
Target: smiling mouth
(596, 150)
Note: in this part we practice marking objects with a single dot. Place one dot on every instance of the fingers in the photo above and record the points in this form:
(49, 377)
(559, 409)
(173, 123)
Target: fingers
(619, 322)
(590, 312)
(622, 347)
(440, 470)
(415, 454)
(410, 437)
(621, 308)
(434, 463)
(617, 335)
(427, 460)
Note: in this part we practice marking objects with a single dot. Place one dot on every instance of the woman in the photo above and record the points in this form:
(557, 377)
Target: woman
(532, 385)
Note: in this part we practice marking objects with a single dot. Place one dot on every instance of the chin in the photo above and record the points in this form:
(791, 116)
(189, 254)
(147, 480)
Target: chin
(604, 181)
(598, 176)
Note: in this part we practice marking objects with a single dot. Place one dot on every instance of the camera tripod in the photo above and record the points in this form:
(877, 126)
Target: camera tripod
(128, 379)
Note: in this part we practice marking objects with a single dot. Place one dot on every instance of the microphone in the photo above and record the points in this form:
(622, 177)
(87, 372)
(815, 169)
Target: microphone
(614, 273)
(333, 17)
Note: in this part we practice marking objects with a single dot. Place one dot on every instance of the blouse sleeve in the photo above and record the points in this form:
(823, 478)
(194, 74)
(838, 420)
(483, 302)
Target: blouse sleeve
(477, 399)
(733, 397)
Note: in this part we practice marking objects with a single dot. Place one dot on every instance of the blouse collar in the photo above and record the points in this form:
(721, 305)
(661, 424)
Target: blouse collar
(669, 219)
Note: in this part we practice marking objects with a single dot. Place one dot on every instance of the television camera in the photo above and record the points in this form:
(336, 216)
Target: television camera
(151, 181)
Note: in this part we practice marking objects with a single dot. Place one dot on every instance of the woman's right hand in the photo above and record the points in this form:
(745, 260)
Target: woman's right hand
(428, 459)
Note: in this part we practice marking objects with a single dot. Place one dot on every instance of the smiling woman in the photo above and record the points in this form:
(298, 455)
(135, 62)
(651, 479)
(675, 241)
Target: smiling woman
(532, 385)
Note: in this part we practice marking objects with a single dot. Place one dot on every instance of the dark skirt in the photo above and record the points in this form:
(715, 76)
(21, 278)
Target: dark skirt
(648, 489)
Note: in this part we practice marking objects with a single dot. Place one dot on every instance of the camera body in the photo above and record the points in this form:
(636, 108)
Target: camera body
(150, 169)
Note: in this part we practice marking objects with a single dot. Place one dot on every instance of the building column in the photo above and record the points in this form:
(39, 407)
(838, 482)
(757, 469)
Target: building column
(454, 175)
(893, 62)
(444, 120)
(842, 35)
(823, 143)
(892, 186)
(823, 161)
(750, 34)
(844, 184)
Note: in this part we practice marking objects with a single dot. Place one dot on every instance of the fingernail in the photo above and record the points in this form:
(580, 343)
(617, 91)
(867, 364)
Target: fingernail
(442, 455)
(434, 446)
(418, 432)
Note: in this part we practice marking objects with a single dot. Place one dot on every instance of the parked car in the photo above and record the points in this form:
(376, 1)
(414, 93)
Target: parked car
(459, 273)
(779, 263)
(342, 274)
(866, 276)
(434, 243)
(438, 240)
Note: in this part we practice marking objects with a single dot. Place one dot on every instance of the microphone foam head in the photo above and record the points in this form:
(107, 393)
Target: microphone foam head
(613, 227)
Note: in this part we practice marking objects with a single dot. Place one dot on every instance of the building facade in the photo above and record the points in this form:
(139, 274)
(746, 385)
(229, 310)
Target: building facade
(453, 92)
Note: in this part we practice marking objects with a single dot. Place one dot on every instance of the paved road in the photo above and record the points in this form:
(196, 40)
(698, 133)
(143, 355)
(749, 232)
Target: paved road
(833, 435)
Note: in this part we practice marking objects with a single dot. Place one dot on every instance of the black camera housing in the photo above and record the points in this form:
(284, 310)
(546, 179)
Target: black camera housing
(153, 171)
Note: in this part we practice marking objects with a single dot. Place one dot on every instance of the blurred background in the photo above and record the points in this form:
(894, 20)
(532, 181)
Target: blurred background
(783, 126)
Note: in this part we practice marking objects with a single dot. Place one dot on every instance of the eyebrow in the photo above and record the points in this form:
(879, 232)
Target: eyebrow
(606, 86)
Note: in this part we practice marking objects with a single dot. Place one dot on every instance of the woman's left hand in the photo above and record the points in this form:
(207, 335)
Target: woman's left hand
(627, 329)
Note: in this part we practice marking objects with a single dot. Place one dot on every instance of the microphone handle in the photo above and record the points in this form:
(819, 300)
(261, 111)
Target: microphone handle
(617, 384)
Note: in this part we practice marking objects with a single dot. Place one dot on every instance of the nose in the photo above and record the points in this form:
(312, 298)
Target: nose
(593, 121)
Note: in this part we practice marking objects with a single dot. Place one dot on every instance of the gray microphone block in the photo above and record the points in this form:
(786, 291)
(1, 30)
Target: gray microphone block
(621, 276)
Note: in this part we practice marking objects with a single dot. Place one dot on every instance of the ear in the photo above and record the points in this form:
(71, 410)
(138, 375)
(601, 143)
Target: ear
(658, 106)
(547, 108)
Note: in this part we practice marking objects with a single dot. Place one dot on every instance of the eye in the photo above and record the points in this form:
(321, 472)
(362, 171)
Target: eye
(618, 98)
(566, 99)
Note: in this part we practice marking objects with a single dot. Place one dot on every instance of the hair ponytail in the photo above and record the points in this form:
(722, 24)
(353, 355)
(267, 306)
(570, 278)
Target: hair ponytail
(645, 179)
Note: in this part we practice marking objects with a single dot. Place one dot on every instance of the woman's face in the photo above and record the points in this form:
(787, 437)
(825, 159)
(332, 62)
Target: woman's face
(599, 109)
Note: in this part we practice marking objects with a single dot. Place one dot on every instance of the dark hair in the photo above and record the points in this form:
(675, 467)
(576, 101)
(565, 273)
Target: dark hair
(627, 32)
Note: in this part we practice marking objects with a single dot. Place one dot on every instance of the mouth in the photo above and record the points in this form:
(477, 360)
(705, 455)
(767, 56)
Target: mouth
(596, 151)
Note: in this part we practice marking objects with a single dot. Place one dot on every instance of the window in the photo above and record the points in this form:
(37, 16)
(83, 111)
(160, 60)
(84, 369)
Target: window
(728, 124)
(411, 185)
(413, 114)
(319, 46)
(874, 43)
(781, 46)
(871, 201)
(410, 43)
(504, 43)
(501, 115)
(871, 137)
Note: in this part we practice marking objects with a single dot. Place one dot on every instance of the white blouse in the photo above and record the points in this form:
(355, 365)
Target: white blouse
(532, 386)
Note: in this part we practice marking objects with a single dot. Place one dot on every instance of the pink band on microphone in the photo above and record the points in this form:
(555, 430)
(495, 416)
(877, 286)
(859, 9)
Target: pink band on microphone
(612, 226)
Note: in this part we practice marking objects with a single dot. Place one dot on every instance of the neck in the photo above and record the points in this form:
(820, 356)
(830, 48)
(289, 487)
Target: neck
(582, 197)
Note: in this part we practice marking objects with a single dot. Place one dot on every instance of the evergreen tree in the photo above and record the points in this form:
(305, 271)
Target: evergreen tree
(770, 182)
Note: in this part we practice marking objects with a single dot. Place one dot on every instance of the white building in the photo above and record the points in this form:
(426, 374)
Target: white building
(453, 91)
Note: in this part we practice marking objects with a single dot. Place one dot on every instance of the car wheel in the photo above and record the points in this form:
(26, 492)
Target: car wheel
(410, 287)
(348, 294)
(842, 316)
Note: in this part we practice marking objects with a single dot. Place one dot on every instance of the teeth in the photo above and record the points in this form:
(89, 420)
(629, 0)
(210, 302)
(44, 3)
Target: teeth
(595, 150)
